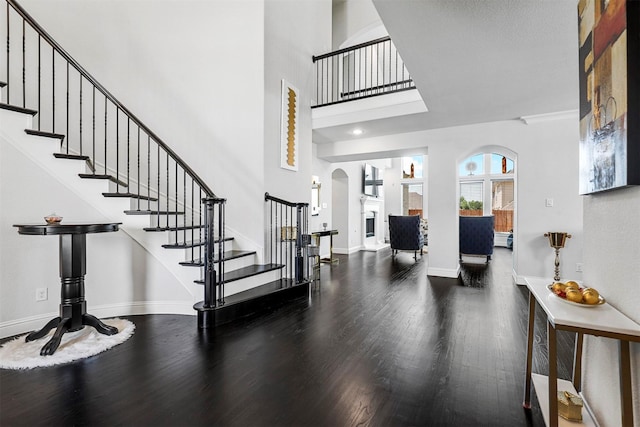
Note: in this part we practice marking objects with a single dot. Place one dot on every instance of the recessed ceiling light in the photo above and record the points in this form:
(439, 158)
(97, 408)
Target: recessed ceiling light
(356, 132)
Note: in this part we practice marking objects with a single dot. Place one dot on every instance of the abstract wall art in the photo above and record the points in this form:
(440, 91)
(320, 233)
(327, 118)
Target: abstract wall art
(289, 127)
(609, 67)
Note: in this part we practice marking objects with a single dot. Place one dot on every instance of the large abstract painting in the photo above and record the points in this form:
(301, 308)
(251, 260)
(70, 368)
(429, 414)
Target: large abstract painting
(609, 75)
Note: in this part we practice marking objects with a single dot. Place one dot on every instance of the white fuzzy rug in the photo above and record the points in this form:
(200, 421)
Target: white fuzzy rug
(18, 354)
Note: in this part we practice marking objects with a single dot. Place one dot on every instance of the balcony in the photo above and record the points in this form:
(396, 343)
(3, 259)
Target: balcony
(362, 83)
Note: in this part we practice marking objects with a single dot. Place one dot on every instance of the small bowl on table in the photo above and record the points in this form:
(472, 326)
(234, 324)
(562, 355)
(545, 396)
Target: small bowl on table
(53, 219)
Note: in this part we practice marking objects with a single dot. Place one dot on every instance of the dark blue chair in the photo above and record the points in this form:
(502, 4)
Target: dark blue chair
(476, 236)
(405, 234)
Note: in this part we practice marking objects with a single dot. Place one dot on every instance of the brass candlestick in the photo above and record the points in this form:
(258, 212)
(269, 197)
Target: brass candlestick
(556, 241)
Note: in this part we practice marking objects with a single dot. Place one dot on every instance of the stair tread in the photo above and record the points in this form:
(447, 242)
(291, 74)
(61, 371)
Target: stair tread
(70, 156)
(45, 134)
(10, 107)
(2, 84)
(131, 195)
(257, 292)
(99, 176)
(228, 255)
(152, 212)
(181, 228)
(183, 245)
(248, 271)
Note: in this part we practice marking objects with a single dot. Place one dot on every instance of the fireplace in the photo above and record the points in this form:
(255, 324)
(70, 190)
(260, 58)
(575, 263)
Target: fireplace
(373, 224)
(370, 224)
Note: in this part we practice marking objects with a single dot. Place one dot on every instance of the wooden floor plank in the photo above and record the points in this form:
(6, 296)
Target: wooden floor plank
(379, 343)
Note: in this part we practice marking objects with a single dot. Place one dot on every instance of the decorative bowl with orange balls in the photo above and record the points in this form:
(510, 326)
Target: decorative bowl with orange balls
(571, 292)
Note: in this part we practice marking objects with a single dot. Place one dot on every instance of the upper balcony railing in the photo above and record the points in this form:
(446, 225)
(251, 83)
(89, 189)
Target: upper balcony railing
(362, 71)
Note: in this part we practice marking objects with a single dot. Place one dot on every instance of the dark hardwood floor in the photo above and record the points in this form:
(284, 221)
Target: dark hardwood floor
(378, 343)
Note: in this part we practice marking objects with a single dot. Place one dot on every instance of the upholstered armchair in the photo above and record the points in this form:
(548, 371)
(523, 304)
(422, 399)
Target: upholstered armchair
(476, 236)
(405, 234)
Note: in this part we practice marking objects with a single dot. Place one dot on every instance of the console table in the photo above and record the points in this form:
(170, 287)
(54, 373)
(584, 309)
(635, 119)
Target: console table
(317, 235)
(72, 254)
(603, 321)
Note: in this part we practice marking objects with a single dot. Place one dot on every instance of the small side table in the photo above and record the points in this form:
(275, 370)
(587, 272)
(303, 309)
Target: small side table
(602, 321)
(317, 235)
(73, 307)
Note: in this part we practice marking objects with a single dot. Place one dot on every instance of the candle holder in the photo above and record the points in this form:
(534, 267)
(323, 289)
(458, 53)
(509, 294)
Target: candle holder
(557, 240)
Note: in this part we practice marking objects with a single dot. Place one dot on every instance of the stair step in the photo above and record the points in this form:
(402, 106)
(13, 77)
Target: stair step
(152, 212)
(17, 109)
(97, 176)
(45, 134)
(181, 228)
(131, 195)
(184, 245)
(229, 255)
(257, 300)
(70, 156)
(244, 272)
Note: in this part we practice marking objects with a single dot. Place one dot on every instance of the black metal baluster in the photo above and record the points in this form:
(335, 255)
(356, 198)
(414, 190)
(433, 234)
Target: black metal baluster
(24, 68)
(168, 197)
(53, 89)
(8, 56)
(138, 179)
(105, 134)
(39, 82)
(128, 156)
(93, 125)
(81, 150)
(117, 148)
(148, 172)
(67, 107)
(158, 190)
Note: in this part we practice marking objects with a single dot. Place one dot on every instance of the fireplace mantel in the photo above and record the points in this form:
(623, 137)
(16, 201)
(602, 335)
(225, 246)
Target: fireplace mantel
(375, 205)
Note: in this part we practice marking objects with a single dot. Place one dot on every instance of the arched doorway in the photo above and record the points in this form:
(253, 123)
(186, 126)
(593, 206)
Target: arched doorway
(340, 210)
(487, 185)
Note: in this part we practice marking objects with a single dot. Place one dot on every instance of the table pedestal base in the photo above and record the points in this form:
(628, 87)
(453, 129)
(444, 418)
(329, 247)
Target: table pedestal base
(62, 326)
(73, 307)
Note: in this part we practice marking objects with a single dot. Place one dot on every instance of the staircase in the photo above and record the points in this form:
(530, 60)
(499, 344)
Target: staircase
(99, 149)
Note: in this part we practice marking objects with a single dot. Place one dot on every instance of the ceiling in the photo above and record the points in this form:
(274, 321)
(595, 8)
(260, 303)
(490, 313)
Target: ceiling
(478, 61)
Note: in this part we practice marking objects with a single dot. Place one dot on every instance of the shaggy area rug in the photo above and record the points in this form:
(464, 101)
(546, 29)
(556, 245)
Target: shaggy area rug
(18, 354)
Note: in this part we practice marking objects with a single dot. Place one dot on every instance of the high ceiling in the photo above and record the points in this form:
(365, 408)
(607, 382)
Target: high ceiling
(477, 61)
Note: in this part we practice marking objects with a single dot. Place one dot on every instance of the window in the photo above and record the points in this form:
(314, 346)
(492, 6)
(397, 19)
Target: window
(490, 193)
(412, 167)
(412, 199)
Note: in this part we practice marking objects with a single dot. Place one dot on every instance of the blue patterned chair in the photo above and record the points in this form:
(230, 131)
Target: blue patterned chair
(405, 234)
(476, 236)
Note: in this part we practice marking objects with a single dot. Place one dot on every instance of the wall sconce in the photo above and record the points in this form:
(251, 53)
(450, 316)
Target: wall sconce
(557, 240)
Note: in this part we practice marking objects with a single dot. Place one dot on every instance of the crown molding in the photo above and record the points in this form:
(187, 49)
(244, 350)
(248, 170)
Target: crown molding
(540, 118)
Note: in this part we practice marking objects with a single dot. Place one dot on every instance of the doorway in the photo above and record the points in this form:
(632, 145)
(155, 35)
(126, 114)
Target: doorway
(340, 210)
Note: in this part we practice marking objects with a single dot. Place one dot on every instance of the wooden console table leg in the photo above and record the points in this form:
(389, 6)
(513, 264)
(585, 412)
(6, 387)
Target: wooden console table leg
(553, 375)
(527, 380)
(625, 384)
(577, 362)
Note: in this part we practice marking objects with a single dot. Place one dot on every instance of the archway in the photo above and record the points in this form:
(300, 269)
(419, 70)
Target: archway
(340, 210)
(487, 185)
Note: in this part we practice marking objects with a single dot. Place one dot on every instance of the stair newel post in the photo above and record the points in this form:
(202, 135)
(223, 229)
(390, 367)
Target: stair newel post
(299, 259)
(221, 227)
(209, 271)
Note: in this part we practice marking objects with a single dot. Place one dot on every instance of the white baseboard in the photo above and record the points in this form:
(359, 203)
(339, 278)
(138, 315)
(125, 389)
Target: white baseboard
(32, 323)
(345, 251)
(444, 272)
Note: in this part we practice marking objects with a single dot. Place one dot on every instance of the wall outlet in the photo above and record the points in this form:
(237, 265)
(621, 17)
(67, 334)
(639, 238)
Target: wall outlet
(548, 202)
(579, 267)
(41, 294)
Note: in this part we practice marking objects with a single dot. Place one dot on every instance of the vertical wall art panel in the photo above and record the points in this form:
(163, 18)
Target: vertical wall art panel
(609, 90)
(289, 127)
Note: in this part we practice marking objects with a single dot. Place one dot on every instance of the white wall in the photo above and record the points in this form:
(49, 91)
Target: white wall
(611, 256)
(192, 71)
(294, 32)
(352, 19)
(542, 171)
